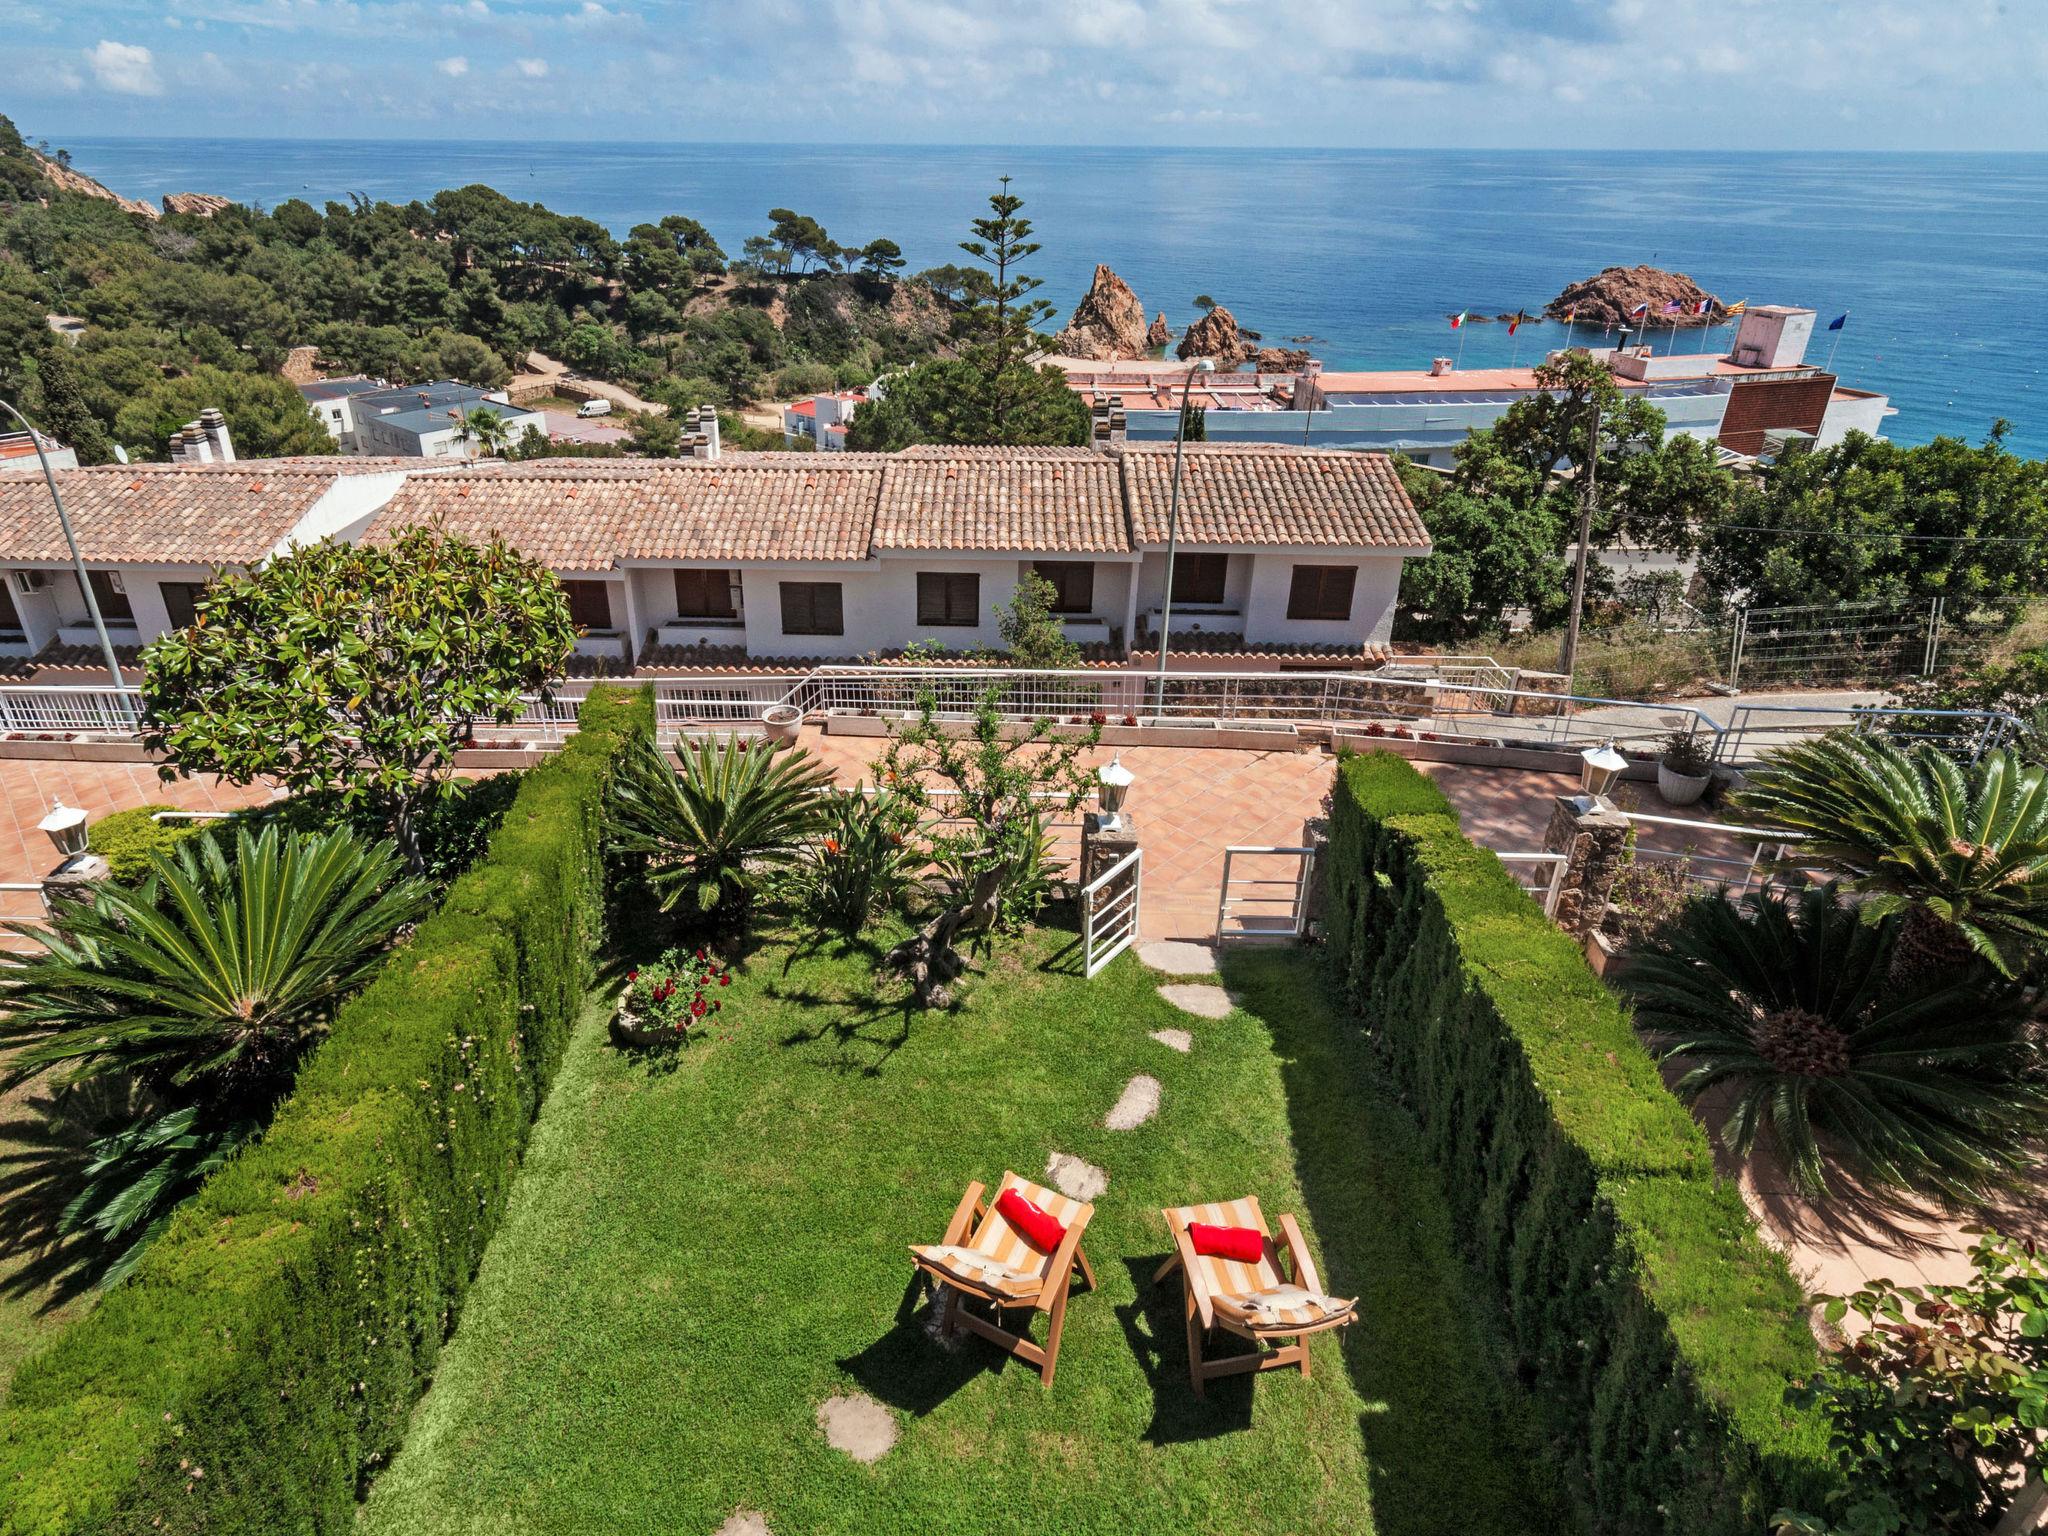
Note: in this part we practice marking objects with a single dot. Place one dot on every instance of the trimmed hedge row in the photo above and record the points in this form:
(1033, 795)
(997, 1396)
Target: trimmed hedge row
(1651, 1321)
(129, 839)
(266, 1354)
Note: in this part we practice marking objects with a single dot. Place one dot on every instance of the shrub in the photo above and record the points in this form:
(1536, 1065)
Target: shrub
(126, 840)
(676, 993)
(1654, 1325)
(269, 1348)
(860, 863)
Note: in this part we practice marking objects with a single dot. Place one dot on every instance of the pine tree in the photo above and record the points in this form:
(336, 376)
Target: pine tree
(1001, 317)
(65, 415)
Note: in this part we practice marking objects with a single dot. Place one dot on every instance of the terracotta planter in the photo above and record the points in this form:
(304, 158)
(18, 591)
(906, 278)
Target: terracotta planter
(1681, 788)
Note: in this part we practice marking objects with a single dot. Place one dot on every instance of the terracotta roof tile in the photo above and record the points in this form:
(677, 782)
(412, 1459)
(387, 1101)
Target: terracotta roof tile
(173, 514)
(1065, 500)
(1269, 494)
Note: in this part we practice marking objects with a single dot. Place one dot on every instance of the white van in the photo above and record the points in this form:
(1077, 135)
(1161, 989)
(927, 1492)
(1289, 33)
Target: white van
(594, 408)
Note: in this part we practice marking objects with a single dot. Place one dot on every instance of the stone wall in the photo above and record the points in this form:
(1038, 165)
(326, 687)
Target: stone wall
(1594, 839)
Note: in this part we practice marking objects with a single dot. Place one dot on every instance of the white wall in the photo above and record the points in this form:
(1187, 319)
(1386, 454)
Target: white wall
(1372, 601)
(879, 602)
(1852, 413)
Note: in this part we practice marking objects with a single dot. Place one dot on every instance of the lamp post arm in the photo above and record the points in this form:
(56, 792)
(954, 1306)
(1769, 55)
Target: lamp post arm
(92, 604)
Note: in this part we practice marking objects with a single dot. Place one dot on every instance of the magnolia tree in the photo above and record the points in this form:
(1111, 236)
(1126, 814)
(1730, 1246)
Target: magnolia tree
(357, 669)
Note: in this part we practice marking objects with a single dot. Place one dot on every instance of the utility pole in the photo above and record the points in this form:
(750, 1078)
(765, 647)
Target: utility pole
(1589, 477)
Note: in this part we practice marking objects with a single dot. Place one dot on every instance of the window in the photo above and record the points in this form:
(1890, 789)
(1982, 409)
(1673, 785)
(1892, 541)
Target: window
(590, 604)
(812, 608)
(1199, 578)
(706, 594)
(948, 599)
(10, 621)
(181, 601)
(113, 603)
(1321, 592)
(1073, 584)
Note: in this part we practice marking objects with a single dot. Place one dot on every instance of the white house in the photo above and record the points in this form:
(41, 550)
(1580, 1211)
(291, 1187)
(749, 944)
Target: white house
(416, 421)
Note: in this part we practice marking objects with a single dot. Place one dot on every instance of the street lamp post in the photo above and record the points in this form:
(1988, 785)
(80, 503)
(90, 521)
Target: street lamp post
(92, 604)
(1180, 435)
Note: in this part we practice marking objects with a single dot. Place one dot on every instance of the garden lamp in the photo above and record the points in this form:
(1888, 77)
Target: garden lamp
(66, 827)
(1113, 781)
(1599, 767)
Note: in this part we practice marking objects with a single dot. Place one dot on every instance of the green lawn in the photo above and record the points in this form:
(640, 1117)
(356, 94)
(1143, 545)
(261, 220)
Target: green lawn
(44, 1287)
(698, 1254)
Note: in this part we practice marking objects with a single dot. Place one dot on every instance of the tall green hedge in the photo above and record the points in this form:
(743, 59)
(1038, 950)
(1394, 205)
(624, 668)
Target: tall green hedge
(1647, 1315)
(263, 1359)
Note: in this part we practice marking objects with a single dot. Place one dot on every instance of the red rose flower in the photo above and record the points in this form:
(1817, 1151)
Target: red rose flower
(725, 981)
(697, 1009)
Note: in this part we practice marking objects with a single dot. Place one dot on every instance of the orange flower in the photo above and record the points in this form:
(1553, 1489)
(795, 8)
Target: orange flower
(832, 846)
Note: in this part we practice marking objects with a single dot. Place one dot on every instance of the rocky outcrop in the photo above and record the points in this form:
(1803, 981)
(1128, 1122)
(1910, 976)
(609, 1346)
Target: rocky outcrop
(1282, 359)
(1160, 334)
(1108, 324)
(64, 179)
(201, 205)
(1216, 336)
(1608, 298)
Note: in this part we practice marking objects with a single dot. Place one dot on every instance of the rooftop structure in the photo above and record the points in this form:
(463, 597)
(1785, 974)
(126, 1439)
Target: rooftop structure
(369, 416)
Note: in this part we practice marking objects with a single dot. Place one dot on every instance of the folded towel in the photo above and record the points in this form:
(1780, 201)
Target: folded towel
(976, 1266)
(1289, 1306)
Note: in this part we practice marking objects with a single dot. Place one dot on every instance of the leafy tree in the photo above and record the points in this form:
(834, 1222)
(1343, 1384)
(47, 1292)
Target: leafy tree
(1032, 633)
(484, 429)
(297, 220)
(466, 359)
(800, 237)
(1490, 556)
(733, 369)
(881, 258)
(711, 828)
(1204, 303)
(266, 416)
(658, 434)
(1790, 1005)
(1961, 852)
(800, 380)
(356, 669)
(957, 401)
(951, 281)
(64, 414)
(673, 255)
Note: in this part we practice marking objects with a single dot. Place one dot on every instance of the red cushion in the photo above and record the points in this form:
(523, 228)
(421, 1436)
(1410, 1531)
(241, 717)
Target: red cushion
(1247, 1245)
(1030, 1222)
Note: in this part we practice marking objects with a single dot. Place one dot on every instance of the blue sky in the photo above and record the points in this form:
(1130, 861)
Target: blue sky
(1706, 74)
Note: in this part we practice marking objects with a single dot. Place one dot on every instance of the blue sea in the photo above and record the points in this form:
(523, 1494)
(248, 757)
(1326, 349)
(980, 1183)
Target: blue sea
(1938, 259)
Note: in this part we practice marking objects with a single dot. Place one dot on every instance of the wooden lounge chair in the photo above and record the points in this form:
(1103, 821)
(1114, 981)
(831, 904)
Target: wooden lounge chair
(983, 1259)
(1250, 1300)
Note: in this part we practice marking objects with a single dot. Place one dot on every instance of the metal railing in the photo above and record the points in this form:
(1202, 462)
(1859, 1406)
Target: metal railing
(1277, 916)
(71, 710)
(1110, 911)
(1769, 860)
(1546, 888)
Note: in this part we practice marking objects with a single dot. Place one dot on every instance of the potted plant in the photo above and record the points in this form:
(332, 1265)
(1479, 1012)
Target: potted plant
(781, 722)
(669, 997)
(1683, 768)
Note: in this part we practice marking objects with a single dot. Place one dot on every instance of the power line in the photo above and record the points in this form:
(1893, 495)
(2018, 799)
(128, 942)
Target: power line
(1903, 538)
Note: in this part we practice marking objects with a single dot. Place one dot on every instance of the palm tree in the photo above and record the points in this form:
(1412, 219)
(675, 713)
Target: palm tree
(207, 980)
(483, 426)
(733, 811)
(1963, 853)
(1787, 1002)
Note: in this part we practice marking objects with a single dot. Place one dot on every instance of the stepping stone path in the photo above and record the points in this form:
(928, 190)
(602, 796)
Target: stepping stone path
(744, 1522)
(1199, 998)
(858, 1425)
(1140, 1102)
(1177, 957)
(1075, 1179)
(1175, 1039)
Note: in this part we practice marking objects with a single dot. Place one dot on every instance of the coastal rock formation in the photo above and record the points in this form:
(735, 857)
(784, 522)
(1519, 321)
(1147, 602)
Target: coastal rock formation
(64, 179)
(1607, 298)
(1282, 359)
(1108, 323)
(202, 205)
(1215, 335)
(1160, 333)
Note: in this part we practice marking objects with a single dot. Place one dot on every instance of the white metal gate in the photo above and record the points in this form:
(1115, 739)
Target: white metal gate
(1262, 904)
(1109, 911)
(1547, 882)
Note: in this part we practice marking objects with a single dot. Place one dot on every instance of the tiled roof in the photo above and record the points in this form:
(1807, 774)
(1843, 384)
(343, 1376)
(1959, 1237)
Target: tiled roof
(1271, 495)
(174, 514)
(1035, 500)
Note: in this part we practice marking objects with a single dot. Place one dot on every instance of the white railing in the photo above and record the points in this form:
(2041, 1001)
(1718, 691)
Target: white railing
(1110, 911)
(1463, 699)
(1546, 887)
(1259, 906)
(1768, 862)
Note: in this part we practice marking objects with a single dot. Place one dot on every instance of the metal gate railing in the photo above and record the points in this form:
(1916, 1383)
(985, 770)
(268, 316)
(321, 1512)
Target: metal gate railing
(1545, 888)
(1109, 911)
(1260, 907)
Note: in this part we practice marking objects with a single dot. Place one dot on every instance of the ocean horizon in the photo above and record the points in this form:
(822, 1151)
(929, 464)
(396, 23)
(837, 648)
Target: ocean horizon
(1935, 257)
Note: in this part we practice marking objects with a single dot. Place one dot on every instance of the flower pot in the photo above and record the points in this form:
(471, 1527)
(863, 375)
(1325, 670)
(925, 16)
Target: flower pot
(628, 1029)
(1681, 788)
(781, 722)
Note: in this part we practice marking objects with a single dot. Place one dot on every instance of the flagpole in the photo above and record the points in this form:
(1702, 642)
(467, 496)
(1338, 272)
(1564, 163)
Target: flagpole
(1571, 321)
(1515, 336)
(1837, 341)
(1463, 321)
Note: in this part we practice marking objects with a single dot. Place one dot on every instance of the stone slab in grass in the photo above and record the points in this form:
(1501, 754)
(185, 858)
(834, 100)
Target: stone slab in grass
(1198, 998)
(858, 1425)
(744, 1522)
(1139, 1103)
(1177, 957)
(1175, 1039)
(1073, 1178)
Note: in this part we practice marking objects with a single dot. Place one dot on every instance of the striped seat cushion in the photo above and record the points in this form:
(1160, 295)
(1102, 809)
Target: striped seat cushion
(1231, 1277)
(1002, 1260)
(978, 1269)
(1284, 1306)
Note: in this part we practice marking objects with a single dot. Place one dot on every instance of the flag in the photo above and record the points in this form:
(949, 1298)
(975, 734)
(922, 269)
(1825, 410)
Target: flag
(1459, 318)
(1641, 309)
(1571, 314)
(1704, 307)
(1737, 307)
(1671, 306)
(1516, 323)
(1839, 321)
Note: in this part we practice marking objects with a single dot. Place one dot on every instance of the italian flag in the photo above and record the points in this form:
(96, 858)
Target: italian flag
(1459, 318)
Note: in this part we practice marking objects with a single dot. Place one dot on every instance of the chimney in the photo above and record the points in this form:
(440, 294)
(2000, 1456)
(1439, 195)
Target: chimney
(1308, 393)
(215, 426)
(191, 445)
(1439, 366)
(1098, 422)
(707, 429)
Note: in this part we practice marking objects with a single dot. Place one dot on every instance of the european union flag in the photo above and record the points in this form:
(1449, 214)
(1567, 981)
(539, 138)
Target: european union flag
(1839, 321)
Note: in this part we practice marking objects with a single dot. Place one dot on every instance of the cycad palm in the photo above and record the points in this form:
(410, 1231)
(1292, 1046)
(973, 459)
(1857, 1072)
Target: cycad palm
(1786, 1002)
(731, 809)
(208, 980)
(1962, 851)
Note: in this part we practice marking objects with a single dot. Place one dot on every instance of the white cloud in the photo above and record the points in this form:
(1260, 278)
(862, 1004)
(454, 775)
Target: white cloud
(126, 68)
(533, 69)
(454, 68)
